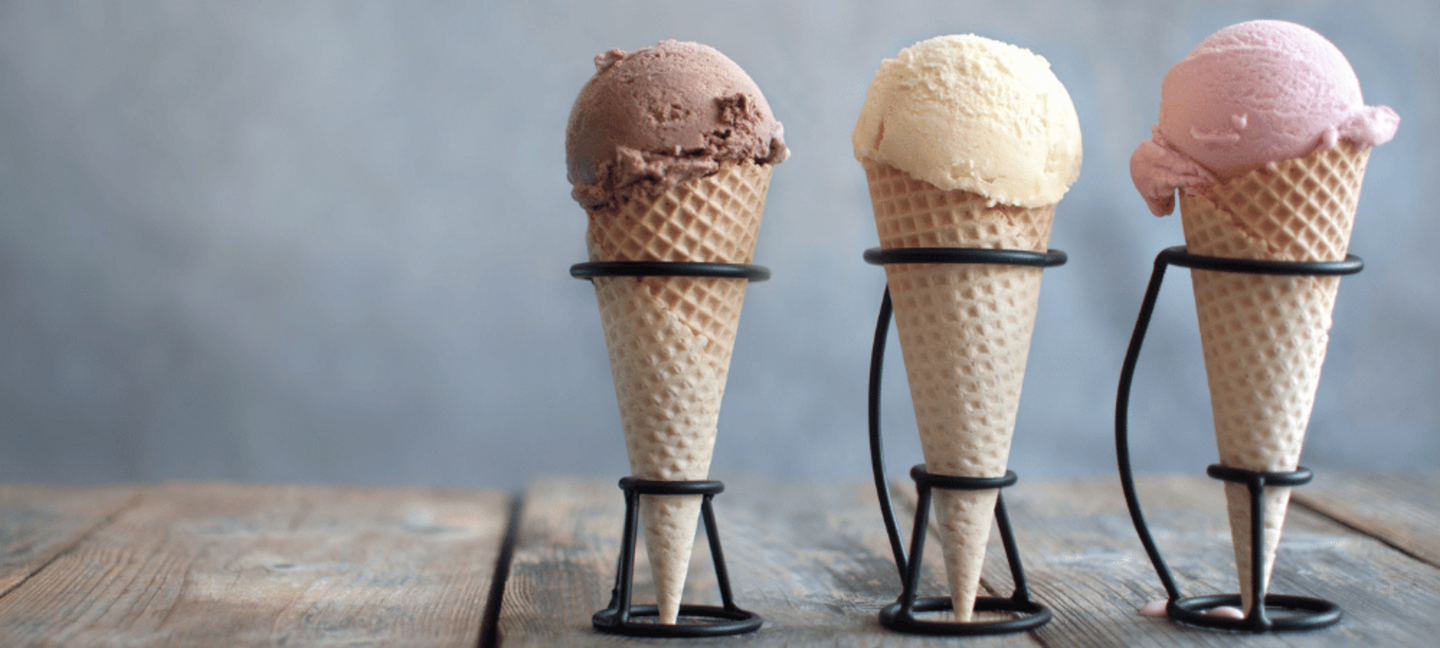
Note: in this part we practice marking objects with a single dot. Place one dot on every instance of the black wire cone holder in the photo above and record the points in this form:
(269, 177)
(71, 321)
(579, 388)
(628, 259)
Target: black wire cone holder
(901, 615)
(1298, 612)
(620, 616)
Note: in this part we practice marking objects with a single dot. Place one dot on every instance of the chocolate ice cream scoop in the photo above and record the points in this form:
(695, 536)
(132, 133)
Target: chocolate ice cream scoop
(662, 115)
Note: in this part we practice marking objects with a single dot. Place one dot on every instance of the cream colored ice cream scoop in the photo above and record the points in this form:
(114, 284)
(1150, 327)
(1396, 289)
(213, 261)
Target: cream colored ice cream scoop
(971, 113)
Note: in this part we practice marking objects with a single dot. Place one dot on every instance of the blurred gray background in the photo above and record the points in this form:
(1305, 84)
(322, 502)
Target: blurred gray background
(329, 241)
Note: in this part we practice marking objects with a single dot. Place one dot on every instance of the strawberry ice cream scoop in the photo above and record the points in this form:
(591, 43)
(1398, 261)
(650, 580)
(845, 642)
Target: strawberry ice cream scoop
(1252, 94)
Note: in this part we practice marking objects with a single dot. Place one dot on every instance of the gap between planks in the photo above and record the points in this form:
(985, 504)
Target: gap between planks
(61, 551)
(495, 600)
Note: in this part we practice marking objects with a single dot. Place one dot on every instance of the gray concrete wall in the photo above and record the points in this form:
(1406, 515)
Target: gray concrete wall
(328, 241)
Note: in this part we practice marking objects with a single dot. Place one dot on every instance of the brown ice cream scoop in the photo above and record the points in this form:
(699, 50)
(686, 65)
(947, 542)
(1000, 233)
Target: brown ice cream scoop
(658, 116)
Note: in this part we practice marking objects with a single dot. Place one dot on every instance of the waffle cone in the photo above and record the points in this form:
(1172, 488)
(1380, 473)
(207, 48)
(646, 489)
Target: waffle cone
(1264, 337)
(965, 335)
(670, 340)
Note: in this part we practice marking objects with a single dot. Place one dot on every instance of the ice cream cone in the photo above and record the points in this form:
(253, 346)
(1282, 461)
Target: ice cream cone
(1264, 337)
(670, 340)
(965, 336)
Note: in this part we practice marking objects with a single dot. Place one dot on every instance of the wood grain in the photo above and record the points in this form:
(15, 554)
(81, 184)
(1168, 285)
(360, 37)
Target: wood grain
(38, 523)
(228, 564)
(813, 561)
(1402, 509)
(224, 564)
(1084, 560)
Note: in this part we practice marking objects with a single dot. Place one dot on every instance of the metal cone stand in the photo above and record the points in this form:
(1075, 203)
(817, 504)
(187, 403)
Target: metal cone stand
(1296, 612)
(900, 616)
(620, 617)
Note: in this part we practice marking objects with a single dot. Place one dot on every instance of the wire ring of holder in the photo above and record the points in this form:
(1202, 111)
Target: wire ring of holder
(1319, 613)
(1181, 257)
(657, 487)
(1047, 259)
(1299, 477)
(669, 269)
(952, 482)
(728, 622)
(1035, 615)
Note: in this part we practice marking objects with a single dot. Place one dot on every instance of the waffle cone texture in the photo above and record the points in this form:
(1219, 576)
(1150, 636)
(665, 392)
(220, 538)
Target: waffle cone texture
(965, 336)
(1264, 337)
(670, 341)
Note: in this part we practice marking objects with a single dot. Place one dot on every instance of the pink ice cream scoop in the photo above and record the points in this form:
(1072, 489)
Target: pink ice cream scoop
(1249, 95)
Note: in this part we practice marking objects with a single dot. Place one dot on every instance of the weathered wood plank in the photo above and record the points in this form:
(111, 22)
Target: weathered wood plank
(1402, 509)
(202, 564)
(38, 523)
(1083, 559)
(814, 561)
(223, 564)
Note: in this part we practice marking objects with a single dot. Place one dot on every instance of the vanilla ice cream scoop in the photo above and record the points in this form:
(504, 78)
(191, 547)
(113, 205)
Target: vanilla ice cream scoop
(1251, 94)
(971, 113)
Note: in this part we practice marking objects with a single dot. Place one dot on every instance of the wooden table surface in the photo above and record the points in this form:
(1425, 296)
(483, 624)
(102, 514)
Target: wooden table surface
(264, 565)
